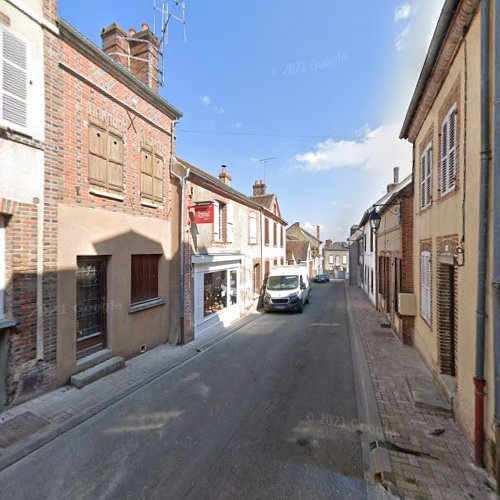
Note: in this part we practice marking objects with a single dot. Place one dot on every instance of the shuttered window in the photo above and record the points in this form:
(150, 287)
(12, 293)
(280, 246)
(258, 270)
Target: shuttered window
(229, 223)
(448, 152)
(425, 286)
(144, 278)
(266, 231)
(217, 221)
(281, 237)
(426, 178)
(252, 229)
(2, 267)
(151, 175)
(13, 80)
(275, 234)
(105, 159)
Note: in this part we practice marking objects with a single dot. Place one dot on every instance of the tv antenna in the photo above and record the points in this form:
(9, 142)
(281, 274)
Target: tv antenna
(264, 161)
(167, 10)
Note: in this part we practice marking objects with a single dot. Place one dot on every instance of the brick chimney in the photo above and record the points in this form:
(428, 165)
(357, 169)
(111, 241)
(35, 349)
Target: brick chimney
(224, 176)
(115, 44)
(137, 52)
(395, 182)
(144, 49)
(259, 188)
(317, 232)
(328, 243)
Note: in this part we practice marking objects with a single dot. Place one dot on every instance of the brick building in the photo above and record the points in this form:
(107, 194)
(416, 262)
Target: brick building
(296, 233)
(395, 260)
(227, 258)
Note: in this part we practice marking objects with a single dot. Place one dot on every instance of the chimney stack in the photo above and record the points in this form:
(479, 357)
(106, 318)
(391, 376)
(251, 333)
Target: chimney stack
(259, 188)
(225, 177)
(137, 52)
(396, 175)
(328, 244)
(317, 232)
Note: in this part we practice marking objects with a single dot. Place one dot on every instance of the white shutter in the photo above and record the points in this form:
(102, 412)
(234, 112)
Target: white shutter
(229, 223)
(2, 267)
(452, 141)
(217, 236)
(253, 228)
(426, 178)
(423, 172)
(425, 286)
(13, 79)
(443, 177)
(199, 299)
(428, 185)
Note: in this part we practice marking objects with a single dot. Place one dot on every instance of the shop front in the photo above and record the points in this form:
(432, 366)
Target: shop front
(216, 292)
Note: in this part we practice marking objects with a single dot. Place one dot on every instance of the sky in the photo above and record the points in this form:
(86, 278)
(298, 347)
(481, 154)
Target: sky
(320, 86)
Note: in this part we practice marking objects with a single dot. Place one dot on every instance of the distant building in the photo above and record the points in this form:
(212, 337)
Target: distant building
(296, 233)
(336, 255)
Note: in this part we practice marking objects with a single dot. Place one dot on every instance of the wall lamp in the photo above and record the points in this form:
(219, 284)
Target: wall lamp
(374, 220)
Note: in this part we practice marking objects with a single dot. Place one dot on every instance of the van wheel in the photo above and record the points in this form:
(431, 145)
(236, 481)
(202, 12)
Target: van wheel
(300, 309)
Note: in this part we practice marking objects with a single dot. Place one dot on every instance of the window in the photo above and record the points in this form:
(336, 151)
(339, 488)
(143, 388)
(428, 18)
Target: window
(256, 279)
(398, 279)
(2, 267)
(252, 228)
(275, 262)
(144, 278)
(220, 290)
(218, 209)
(371, 240)
(266, 269)
(344, 259)
(275, 234)
(282, 261)
(337, 260)
(330, 259)
(151, 175)
(448, 151)
(14, 80)
(371, 281)
(229, 223)
(105, 159)
(281, 237)
(426, 177)
(266, 231)
(425, 286)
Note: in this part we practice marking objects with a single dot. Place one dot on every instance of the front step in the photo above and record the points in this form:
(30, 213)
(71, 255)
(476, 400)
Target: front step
(96, 372)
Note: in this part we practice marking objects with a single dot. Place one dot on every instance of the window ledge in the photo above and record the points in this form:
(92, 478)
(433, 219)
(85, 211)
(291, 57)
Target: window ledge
(105, 194)
(150, 204)
(7, 323)
(148, 304)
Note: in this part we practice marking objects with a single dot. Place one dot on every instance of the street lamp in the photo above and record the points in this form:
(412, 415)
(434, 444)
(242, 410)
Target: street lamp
(374, 220)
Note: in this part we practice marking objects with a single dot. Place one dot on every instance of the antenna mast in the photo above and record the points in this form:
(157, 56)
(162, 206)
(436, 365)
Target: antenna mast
(264, 161)
(169, 9)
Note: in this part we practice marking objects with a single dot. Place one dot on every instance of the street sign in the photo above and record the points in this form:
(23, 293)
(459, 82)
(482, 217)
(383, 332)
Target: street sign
(203, 214)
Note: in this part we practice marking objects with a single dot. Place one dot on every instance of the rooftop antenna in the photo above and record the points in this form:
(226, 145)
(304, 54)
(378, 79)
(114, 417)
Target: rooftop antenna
(264, 161)
(166, 10)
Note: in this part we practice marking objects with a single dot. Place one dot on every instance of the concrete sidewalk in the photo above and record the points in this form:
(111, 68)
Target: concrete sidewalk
(28, 426)
(429, 454)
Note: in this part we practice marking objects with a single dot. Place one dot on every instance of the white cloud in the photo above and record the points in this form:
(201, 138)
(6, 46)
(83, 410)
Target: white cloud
(311, 228)
(218, 109)
(333, 203)
(238, 125)
(401, 39)
(402, 12)
(346, 205)
(378, 150)
(205, 100)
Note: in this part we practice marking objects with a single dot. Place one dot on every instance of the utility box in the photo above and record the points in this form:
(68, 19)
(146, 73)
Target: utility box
(407, 304)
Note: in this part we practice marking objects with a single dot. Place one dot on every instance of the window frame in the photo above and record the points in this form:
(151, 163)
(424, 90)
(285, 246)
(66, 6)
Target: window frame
(445, 184)
(266, 232)
(152, 289)
(252, 225)
(426, 171)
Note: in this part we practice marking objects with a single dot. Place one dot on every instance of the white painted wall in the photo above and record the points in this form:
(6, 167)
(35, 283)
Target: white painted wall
(369, 263)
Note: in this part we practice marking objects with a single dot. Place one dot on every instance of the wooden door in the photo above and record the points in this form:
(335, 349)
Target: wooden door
(90, 305)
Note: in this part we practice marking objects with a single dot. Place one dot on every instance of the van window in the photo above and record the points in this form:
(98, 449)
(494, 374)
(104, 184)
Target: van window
(282, 282)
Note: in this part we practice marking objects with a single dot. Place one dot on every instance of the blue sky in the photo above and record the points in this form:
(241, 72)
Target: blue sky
(321, 85)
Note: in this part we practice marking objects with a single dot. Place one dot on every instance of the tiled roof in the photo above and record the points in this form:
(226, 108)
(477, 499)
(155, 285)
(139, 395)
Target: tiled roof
(297, 249)
(266, 200)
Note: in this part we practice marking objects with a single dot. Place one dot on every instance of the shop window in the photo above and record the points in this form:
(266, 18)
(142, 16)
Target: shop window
(105, 159)
(220, 290)
(252, 229)
(144, 277)
(151, 175)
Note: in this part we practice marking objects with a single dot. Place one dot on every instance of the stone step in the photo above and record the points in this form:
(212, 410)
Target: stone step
(93, 359)
(428, 395)
(96, 372)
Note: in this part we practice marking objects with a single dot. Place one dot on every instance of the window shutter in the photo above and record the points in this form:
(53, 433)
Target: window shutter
(97, 155)
(428, 186)
(229, 223)
(452, 131)
(115, 162)
(13, 79)
(158, 178)
(253, 228)
(146, 174)
(423, 180)
(425, 285)
(444, 158)
(217, 236)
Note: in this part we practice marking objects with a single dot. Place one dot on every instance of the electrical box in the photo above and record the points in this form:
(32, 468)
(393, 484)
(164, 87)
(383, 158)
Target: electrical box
(407, 304)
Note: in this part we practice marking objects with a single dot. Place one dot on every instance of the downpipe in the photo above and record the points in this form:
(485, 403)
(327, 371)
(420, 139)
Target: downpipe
(482, 255)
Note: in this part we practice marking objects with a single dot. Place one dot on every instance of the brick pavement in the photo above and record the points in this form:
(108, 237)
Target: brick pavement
(425, 465)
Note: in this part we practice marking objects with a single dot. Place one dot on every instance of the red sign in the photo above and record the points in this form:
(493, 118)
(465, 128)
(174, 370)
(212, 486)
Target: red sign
(203, 214)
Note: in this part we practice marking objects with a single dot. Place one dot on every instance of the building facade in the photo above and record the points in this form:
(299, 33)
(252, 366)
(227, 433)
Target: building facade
(451, 125)
(297, 233)
(336, 259)
(395, 260)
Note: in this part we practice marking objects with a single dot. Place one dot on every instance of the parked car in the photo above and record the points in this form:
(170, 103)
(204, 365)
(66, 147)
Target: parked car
(287, 289)
(320, 278)
(326, 276)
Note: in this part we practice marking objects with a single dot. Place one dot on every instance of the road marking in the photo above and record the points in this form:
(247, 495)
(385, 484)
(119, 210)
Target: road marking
(324, 324)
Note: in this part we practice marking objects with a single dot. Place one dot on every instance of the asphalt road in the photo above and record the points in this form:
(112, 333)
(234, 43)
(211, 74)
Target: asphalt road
(266, 413)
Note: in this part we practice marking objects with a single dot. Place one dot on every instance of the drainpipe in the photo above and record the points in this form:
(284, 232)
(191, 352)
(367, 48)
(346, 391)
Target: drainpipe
(182, 180)
(496, 239)
(482, 254)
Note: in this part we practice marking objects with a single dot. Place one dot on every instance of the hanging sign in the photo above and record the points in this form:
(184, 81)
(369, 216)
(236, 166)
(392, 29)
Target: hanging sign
(203, 214)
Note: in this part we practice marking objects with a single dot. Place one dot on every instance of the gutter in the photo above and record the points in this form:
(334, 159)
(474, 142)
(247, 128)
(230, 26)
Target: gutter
(483, 236)
(443, 24)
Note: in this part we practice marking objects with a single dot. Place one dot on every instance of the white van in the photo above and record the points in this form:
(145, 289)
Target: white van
(287, 289)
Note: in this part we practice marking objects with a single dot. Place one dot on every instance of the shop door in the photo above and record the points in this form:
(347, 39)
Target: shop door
(90, 305)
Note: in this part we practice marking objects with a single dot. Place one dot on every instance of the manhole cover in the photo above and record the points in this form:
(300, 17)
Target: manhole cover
(19, 427)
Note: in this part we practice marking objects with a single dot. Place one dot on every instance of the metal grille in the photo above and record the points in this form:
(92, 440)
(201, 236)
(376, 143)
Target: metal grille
(280, 301)
(90, 299)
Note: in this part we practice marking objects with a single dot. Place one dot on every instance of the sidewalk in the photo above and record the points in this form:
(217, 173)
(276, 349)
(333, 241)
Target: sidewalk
(28, 426)
(429, 454)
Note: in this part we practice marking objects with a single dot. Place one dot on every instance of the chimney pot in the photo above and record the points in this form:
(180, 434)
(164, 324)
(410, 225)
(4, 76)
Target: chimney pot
(145, 27)
(132, 32)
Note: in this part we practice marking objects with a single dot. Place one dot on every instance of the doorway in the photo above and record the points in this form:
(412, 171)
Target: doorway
(447, 323)
(90, 305)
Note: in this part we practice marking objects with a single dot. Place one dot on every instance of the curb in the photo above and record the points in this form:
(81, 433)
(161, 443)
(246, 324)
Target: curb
(54, 430)
(379, 474)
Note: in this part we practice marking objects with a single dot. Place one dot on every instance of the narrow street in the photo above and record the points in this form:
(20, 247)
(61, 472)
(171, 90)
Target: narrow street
(267, 413)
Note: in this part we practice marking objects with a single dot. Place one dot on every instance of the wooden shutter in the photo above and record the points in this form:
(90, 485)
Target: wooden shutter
(97, 155)
(443, 177)
(452, 132)
(13, 79)
(266, 231)
(158, 178)
(146, 174)
(144, 278)
(281, 237)
(229, 223)
(115, 162)
(425, 286)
